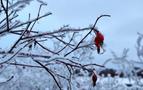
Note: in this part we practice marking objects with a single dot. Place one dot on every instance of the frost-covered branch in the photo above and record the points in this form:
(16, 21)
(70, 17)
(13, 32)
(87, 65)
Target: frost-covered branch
(139, 47)
(53, 50)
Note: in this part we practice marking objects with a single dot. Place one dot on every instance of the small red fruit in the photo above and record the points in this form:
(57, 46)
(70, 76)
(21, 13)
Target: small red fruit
(99, 39)
(94, 79)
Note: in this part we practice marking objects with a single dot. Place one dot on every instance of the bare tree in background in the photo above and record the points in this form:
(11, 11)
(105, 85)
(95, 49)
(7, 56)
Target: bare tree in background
(60, 61)
(139, 47)
(129, 67)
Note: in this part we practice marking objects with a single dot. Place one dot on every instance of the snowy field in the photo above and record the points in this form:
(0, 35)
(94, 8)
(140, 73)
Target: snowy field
(109, 83)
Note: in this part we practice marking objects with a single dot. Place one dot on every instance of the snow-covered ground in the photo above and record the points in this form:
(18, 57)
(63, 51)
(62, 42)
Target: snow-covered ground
(109, 83)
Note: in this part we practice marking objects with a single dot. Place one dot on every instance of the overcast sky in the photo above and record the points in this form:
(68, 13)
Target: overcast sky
(120, 30)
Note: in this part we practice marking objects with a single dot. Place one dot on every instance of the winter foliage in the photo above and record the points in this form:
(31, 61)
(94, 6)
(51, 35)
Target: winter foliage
(61, 59)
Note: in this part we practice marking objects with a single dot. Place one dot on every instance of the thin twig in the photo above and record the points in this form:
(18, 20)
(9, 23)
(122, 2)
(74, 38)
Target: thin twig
(27, 55)
(7, 80)
(6, 12)
(47, 14)
(19, 38)
(67, 43)
(5, 18)
(13, 55)
(47, 69)
(46, 48)
(37, 17)
(55, 32)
